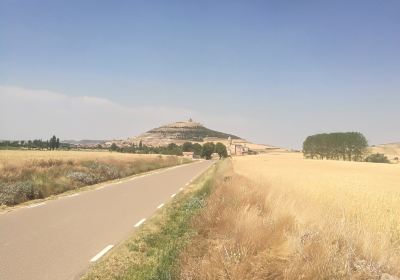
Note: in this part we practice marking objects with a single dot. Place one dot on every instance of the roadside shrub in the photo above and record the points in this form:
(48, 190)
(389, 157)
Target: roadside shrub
(82, 177)
(14, 193)
(102, 170)
(107, 171)
(377, 158)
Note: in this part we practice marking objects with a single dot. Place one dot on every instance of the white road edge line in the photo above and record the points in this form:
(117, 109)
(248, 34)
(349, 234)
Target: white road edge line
(160, 206)
(173, 195)
(36, 205)
(140, 222)
(101, 253)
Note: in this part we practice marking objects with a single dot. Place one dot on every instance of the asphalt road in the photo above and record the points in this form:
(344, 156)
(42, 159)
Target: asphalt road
(61, 238)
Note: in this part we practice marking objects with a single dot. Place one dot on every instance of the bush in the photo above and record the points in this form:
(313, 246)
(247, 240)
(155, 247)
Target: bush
(82, 177)
(377, 158)
(105, 171)
(102, 171)
(14, 193)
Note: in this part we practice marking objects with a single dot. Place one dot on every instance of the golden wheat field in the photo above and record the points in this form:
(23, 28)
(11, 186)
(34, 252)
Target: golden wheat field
(279, 216)
(21, 157)
(367, 192)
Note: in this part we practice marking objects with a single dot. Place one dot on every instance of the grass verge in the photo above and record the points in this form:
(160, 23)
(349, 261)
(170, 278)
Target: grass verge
(30, 175)
(152, 252)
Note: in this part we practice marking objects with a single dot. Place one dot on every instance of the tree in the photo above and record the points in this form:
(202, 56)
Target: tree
(346, 146)
(172, 149)
(187, 147)
(190, 147)
(52, 143)
(113, 147)
(197, 149)
(208, 150)
(140, 145)
(57, 143)
(221, 150)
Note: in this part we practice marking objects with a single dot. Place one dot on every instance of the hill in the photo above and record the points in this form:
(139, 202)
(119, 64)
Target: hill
(190, 131)
(84, 142)
(391, 150)
(187, 131)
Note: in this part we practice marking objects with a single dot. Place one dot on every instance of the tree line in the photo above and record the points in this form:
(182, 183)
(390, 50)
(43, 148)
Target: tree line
(51, 144)
(205, 151)
(350, 146)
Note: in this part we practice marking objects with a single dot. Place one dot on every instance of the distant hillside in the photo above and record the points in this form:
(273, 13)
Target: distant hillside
(391, 150)
(178, 133)
(190, 131)
(84, 142)
(187, 131)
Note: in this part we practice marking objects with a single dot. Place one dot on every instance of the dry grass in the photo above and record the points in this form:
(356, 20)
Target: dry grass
(392, 151)
(26, 175)
(279, 216)
(23, 157)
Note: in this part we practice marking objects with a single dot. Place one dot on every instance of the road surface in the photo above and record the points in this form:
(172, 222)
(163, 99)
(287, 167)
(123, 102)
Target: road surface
(60, 238)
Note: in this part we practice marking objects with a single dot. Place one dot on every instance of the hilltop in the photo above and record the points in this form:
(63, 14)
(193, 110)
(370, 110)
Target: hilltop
(187, 131)
(178, 132)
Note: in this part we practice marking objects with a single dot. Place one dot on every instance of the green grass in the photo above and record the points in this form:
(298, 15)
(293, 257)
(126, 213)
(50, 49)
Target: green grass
(152, 252)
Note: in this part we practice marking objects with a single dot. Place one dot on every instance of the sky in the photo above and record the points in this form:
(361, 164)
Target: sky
(272, 72)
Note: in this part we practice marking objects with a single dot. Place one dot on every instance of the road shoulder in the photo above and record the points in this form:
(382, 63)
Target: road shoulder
(153, 248)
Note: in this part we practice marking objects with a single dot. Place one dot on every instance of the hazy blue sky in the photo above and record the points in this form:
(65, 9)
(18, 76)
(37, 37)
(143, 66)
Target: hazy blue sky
(269, 71)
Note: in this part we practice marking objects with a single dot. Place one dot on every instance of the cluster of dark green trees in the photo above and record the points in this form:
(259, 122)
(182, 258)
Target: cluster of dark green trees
(209, 148)
(51, 144)
(350, 146)
(205, 151)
